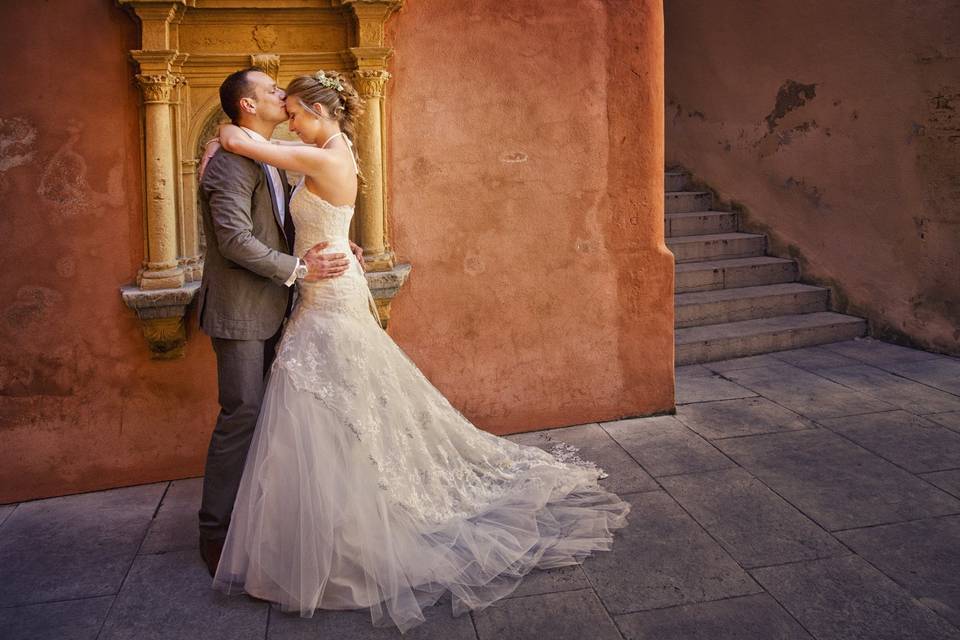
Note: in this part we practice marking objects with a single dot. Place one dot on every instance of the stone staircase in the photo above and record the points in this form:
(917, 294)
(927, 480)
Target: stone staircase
(732, 299)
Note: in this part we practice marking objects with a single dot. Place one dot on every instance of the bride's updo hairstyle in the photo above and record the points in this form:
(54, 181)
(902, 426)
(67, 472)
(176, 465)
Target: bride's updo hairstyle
(335, 92)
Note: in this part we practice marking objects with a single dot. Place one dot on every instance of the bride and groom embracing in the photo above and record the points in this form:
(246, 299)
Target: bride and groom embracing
(337, 476)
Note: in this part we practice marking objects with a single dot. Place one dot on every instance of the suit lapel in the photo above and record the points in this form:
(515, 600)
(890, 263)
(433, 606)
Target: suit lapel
(273, 194)
(288, 228)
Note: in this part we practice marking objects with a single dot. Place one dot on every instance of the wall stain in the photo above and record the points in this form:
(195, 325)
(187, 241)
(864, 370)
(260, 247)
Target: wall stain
(30, 303)
(17, 137)
(811, 193)
(46, 374)
(64, 183)
(791, 95)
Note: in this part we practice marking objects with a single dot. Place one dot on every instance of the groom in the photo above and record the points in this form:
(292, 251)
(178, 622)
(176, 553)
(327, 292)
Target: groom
(246, 293)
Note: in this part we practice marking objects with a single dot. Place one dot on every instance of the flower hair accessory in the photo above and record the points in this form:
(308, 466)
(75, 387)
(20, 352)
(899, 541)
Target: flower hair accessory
(327, 81)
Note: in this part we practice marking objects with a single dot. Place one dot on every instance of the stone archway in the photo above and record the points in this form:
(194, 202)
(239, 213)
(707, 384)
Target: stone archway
(187, 48)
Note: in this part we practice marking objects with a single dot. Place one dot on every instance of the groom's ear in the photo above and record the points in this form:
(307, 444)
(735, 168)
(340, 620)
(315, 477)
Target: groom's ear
(247, 105)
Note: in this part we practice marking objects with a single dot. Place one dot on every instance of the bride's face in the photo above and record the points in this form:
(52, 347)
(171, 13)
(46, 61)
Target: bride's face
(302, 122)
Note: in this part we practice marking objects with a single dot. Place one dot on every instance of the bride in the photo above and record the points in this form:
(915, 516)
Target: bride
(363, 486)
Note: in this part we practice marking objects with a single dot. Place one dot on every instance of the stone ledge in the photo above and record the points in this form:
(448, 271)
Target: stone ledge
(384, 286)
(161, 313)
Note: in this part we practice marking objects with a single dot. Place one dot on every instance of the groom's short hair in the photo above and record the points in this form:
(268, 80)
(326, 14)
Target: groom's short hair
(235, 87)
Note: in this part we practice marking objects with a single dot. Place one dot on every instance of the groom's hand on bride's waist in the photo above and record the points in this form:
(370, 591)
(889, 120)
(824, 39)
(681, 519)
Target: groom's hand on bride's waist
(321, 266)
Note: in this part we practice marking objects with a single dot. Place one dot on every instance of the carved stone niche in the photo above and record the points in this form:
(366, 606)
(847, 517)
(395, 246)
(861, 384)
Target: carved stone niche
(187, 48)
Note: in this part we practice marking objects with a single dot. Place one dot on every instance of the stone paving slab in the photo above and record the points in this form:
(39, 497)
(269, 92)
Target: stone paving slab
(5, 511)
(746, 362)
(175, 526)
(740, 417)
(596, 445)
(756, 617)
(571, 615)
(913, 396)
(356, 625)
(755, 525)
(806, 393)
(941, 372)
(950, 420)
(696, 383)
(877, 352)
(664, 446)
(813, 358)
(661, 559)
(553, 581)
(673, 571)
(847, 599)
(168, 597)
(949, 481)
(67, 620)
(75, 546)
(921, 556)
(910, 441)
(837, 483)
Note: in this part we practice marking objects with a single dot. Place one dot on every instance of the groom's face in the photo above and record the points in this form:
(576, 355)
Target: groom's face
(267, 98)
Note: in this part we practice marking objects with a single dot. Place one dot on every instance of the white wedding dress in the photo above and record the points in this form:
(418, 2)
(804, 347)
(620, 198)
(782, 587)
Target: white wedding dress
(365, 488)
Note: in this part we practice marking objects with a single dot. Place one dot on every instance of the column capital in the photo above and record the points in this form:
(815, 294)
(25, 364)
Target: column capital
(370, 83)
(156, 87)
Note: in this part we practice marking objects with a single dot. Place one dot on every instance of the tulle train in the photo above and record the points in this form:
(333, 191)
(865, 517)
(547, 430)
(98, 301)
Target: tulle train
(312, 528)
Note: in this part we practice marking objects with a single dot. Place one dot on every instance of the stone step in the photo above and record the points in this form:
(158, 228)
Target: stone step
(695, 223)
(684, 201)
(676, 181)
(745, 303)
(763, 335)
(735, 272)
(716, 246)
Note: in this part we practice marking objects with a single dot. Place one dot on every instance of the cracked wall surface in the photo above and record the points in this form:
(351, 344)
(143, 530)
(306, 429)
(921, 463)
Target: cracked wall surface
(836, 126)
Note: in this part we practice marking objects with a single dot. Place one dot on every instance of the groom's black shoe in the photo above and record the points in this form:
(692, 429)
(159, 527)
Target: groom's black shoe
(210, 551)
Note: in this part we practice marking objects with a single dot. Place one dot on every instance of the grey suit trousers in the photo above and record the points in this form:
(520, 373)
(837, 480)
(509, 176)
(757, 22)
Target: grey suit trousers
(242, 366)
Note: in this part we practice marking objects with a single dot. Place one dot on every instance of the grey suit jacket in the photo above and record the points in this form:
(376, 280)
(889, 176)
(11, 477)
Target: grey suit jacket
(247, 261)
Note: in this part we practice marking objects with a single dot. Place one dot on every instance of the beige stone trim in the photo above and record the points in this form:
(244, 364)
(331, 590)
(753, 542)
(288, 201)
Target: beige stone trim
(187, 48)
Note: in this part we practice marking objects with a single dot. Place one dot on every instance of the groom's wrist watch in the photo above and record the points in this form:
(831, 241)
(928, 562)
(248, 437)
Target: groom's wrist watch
(302, 270)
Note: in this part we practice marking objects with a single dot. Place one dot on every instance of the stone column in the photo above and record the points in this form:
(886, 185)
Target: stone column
(191, 260)
(372, 201)
(160, 269)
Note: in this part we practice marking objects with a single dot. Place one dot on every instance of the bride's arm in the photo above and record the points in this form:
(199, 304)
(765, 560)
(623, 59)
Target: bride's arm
(290, 143)
(305, 159)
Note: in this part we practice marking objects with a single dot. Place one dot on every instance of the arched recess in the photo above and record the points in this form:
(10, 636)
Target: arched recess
(187, 48)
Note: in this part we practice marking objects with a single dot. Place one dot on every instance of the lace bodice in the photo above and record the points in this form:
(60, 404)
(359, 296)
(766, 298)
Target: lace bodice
(317, 220)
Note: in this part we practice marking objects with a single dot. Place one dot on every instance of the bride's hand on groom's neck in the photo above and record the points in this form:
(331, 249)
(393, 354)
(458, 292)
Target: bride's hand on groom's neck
(209, 149)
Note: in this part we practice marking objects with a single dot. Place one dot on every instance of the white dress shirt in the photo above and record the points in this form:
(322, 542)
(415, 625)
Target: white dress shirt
(273, 174)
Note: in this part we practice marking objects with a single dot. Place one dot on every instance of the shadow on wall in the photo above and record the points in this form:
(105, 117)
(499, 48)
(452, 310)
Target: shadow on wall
(838, 146)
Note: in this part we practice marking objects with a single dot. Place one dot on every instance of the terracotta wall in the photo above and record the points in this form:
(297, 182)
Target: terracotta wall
(835, 125)
(81, 404)
(526, 186)
(527, 193)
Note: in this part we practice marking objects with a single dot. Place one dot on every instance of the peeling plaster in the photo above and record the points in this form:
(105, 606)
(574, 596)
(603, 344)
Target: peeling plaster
(17, 137)
(791, 95)
(64, 183)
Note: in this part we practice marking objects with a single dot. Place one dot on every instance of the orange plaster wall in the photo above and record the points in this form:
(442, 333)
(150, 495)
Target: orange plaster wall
(526, 151)
(526, 190)
(854, 173)
(81, 404)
